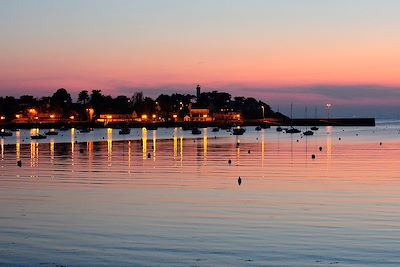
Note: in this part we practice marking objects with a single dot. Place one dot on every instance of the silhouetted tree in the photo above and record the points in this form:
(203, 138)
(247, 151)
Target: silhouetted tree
(83, 96)
(61, 101)
(97, 101)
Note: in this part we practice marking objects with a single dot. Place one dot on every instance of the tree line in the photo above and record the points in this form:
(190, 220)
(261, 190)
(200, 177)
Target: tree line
(164, 105)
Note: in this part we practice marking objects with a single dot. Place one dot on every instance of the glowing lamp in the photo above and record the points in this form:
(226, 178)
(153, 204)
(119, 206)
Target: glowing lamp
(52, 116)
(2, 118)
(17, 116)
(72, 117)
(154, 116)
(144, 117)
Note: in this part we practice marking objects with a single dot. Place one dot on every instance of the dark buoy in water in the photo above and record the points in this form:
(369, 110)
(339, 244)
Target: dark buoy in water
(313, 156)
(229, 161)
(340, 138)
(103, 137)
(320, 148)
(239, 181)
(248, 151)
(148, 155)
(297, 140)
(356, 134)
(19, 163)
(237, 144)
(81, 150)
(380, 143)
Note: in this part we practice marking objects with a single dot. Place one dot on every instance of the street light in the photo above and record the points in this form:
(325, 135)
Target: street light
(263, 111)
(328, 107)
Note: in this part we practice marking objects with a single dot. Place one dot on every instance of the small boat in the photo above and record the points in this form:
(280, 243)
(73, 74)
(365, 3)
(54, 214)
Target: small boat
(85, 130)
(215, 129)
(51, 133)
(293, 130)
(258, 128)
(308, 132)
(238, 131)
(125, 131)
(314, 128)
(196, 131)
(38, 136)
(279, 129)
(5, 133)
(265, 126)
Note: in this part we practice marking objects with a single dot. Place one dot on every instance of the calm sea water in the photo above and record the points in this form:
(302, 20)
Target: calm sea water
(167, 198)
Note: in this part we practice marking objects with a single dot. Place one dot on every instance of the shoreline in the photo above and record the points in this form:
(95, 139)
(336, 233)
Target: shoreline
(268, 121)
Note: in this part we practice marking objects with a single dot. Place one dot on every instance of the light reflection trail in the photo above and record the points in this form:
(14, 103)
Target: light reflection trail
(154, 144)
(144, 142)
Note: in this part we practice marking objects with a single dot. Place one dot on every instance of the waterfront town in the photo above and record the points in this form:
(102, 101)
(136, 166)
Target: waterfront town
(103, 110)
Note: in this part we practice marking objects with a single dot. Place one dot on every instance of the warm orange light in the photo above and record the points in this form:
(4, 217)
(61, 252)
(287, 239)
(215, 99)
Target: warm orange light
(2, 118)
(205, 116)
(109, 117)
(52, 116)
(32, 110)
(144, 117)
(175, 116)
(72, 117)
(238, 115)
(18, 116)
(154, 116)
(36, 117)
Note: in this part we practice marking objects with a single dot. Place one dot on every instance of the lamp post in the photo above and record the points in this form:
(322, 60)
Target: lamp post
(328, 109)
(263, 110)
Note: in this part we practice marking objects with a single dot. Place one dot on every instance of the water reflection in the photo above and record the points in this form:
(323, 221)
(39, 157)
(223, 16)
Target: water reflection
(357, 204)
(154, 144)
(262, 148)
(129, 157)
(34, 154)
(175, 142)
(18, 145)
(89, 149)
(72, 146)
(205, 144)
(237, 150)
(181, 149)
(109, 145)
(329, 144)
(2, 148)
(52, 151)
(144, 143)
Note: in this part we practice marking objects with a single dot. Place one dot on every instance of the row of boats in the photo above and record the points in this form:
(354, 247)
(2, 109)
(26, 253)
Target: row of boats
(235, 131)
(195, 131)
(292, 130)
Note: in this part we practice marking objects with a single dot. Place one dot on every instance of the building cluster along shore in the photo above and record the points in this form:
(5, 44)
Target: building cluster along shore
(98, 110)
(101, 110)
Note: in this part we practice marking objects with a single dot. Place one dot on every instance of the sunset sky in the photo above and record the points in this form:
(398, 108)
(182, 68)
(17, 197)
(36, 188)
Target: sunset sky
(309, 52)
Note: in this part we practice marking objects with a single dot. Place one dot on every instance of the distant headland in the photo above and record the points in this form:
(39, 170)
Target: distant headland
(202, 109)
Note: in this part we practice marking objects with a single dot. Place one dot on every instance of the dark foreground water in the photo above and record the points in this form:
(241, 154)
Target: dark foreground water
(108, 200)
